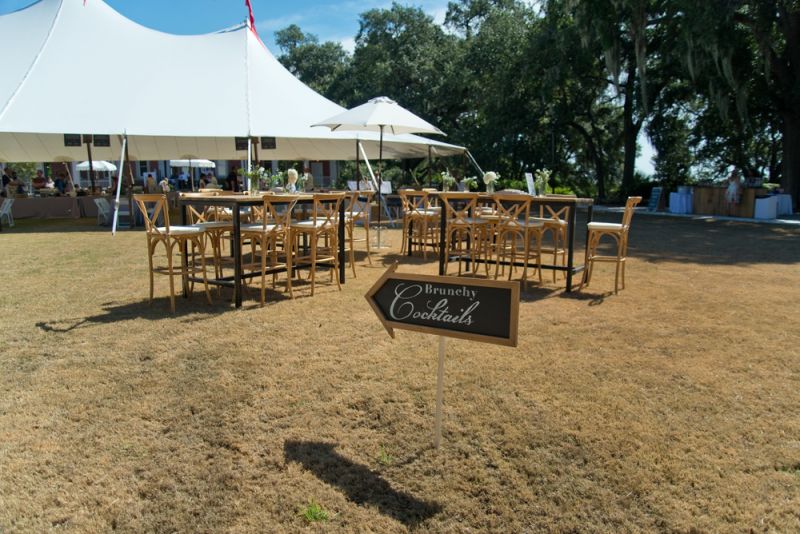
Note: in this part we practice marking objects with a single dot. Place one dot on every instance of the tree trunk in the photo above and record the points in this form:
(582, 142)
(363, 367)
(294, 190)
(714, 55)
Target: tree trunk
(790, 180)
(596, 158)
(630, 131)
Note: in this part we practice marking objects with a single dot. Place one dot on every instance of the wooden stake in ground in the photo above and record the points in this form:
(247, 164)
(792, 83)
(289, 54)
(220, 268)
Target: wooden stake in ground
(437, 434)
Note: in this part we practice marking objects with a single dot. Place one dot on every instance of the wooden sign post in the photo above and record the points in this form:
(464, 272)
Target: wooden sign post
(464, 308)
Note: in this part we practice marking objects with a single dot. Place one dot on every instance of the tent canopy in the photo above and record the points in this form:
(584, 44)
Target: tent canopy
(253, 95)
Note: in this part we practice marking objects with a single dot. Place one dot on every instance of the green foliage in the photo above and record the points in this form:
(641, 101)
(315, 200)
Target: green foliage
(570, 84)
(313, 512)
(384, 458)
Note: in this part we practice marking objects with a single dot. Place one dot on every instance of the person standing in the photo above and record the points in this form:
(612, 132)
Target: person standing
(733, 194)
(6, 180)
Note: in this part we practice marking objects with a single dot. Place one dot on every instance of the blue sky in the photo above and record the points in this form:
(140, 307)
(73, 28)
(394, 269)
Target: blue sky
(330, 21)
(334, 21)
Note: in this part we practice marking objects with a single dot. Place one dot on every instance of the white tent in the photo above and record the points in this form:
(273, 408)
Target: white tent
(49, 44)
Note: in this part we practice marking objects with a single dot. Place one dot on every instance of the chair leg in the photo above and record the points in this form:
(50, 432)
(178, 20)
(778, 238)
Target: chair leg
(171, 280)
(313, 261)
(203, 266)
(289, 250)
(369, 250)
(351, 228)
(150, 250)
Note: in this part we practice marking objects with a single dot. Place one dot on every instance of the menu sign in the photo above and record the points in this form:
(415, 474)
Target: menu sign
(476, 309)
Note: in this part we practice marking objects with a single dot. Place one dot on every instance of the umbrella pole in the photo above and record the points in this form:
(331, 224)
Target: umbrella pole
(91, 164)
(429, 165)
(191, 174)
(379, 243)
(358, 169)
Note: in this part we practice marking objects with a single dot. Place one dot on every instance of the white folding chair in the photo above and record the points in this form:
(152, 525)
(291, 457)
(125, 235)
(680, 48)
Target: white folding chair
(103, 211)
(5, 211)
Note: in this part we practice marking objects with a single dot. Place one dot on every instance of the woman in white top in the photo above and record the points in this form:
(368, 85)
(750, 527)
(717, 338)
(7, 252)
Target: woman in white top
(733, 194)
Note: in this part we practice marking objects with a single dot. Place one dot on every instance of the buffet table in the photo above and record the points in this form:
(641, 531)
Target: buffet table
(710, 200)
(54, 207)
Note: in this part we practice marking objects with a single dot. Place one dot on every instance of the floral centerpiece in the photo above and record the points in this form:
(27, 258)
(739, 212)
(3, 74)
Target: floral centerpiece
(470, 182)
(276, 180)
(490, 179)
(448, 181)
(542, 177)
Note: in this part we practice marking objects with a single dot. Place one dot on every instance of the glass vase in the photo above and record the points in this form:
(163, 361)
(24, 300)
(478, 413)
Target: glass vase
(490, 188)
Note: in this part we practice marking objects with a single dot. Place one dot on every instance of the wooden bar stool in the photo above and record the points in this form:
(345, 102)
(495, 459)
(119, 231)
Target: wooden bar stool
(514, 229)
(322, 231)
(421, 219)
(153, 207)
(268, 235)
(618, 232)
(465, 234)
(357, 209)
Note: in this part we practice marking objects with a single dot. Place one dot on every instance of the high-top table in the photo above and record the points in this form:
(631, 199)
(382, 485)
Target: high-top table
(557, 202)
(235, 203)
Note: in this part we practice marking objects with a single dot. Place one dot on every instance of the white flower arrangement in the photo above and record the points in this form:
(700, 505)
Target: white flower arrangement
(448, 180)
(491, 177)
(542, 177)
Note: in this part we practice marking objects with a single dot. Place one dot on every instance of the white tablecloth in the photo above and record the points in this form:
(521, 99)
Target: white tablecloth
(784, 204)
(680, 203)
(766, 208)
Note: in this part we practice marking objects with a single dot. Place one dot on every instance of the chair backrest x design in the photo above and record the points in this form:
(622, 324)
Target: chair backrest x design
(414, 202)
(512, 210)
(358, 203)
(278, 211)
(152, 206)
(326, 209)
(459, 207)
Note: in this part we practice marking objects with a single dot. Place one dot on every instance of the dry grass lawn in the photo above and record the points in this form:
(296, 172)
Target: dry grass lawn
(670, 407)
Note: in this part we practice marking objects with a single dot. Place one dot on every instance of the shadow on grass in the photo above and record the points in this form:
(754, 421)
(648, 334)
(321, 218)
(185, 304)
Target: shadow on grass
(185, 309)
(358, 482)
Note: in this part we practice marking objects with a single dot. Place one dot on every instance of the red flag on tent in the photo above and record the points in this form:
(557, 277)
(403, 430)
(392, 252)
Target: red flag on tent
(252, 18)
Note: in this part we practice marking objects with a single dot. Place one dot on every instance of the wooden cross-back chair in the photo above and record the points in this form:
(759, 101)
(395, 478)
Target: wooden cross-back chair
(322, 231)
(465, 234)
(154, 208)
(515, 232)
(555, 224)
(619, 233)
(268, 236)
(421, 219)
(215, 226)
(359, 204)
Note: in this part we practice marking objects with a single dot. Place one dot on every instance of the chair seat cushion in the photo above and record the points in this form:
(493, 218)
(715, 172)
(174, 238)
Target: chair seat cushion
(549, 221)
(310, 225)
(181, 230)
(258, 228)
(214, 224)
(605, 226)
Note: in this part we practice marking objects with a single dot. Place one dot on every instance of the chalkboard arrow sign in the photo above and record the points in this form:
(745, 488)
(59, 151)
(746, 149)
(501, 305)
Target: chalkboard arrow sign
(465, 308)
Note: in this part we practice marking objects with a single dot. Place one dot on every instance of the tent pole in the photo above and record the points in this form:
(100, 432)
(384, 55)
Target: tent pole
(358, 169)
(379, 244)
(191, 173)
(246, 182)
(119, 184)
(91, 163)
(429, 166)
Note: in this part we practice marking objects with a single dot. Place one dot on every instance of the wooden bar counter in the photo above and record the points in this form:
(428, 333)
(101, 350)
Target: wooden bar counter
(710, 200)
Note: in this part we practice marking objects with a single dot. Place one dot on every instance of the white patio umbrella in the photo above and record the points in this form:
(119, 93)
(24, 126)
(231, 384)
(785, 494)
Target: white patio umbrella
(381, 114)
(193, 164)
(98, 166)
